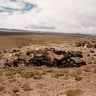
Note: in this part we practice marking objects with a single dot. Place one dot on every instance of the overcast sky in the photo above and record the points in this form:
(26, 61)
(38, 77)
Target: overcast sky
(68, 16)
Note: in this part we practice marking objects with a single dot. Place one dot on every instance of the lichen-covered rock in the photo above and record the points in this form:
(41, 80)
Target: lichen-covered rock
(59, 57)
(78, 61)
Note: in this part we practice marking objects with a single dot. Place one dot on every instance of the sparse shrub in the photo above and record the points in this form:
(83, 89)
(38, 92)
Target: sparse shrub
(15, 90)
(76, 73)
(94, 71)
(26, 87)
(66, 55)
(28, 74)
(15, 50)
(89, 45)
(94, 61)
(25, 72)
(2, 88)
(73, 92)
(40, 86)
(78, 44)
(11, 72)
(94, 54)
(94, 45)
(78, 78)
(66, 76)
(1, 80)
(88, 69)
(59, 72)
(90, 62)
(9, 75)
(49, 70)
(1, 73)
(37, 76)
(91, 51)
(12, 80)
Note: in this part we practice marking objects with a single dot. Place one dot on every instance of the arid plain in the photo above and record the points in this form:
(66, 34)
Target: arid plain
(70, 68)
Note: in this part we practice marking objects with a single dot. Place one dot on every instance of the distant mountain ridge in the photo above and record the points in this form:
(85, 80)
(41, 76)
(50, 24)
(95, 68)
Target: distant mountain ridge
(5, 31)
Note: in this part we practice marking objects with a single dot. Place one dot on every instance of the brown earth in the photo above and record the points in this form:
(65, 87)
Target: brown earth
(43, 80)
(12, 41)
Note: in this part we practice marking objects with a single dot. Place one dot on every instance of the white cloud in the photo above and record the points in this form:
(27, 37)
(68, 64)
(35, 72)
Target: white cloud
(76, 16)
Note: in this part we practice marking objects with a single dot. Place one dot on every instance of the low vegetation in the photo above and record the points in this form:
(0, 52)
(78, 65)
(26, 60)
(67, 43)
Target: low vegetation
(43, 68)
(59, 72)
(88, 69)
(26, 87)
(94, 71)
(73, 92)
(78, 78)
(2, 88)
(15, 90)
(76, 73)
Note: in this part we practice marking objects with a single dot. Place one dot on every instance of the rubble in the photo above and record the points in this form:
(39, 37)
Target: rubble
(46, 56)
(86, 44)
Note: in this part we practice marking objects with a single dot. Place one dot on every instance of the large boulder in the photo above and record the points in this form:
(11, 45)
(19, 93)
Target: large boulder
(78, 61)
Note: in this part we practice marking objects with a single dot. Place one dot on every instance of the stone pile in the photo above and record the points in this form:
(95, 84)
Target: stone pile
(58, 58)
(47, 56)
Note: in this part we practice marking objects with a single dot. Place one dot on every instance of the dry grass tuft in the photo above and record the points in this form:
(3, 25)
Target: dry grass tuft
(15, 90)
(94, 71)
(12, 80)
(88, 69)
(73, 92)
(26, 87)
(31, 72)
(1, 73)
(1, 80)
(25, 72)
(78, 78)
(56, 73)
(2, 88)
(76, 73)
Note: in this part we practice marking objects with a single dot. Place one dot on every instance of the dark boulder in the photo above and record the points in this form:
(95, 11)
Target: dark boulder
(15, 63)
(59, 52)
